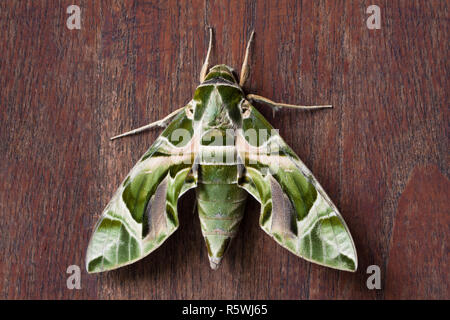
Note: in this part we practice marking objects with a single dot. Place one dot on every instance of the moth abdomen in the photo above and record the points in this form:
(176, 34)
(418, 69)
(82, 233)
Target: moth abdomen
(221, 208)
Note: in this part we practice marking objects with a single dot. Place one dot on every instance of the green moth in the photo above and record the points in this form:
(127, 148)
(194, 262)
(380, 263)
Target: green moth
(223, 147)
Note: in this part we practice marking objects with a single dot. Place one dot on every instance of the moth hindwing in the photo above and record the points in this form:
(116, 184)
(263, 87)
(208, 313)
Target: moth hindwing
(223, 147)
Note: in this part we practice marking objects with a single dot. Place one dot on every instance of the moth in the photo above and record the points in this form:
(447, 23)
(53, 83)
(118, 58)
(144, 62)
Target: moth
(223, 147)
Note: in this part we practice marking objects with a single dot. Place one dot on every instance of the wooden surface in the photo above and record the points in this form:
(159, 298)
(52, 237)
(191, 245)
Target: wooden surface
(381, 153)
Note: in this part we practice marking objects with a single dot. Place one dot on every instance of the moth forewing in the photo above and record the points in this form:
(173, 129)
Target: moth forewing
(143, 211)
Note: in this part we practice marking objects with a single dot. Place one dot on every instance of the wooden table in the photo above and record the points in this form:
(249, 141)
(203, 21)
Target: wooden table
(381, 153)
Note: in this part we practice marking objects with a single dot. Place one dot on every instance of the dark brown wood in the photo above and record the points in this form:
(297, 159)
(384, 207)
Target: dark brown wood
(381, 152)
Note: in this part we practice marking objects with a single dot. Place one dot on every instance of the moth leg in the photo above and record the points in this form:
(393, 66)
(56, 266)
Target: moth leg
(276, 105)
(206, 63)
(245, 70)
(160, 123)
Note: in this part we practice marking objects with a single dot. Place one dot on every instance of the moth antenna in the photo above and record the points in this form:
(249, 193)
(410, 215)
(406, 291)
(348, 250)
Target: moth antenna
(160, 123)
(245, 70)
(276, 105)
(206, 63)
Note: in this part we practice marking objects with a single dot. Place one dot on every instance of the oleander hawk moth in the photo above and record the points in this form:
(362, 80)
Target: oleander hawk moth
(223, 147)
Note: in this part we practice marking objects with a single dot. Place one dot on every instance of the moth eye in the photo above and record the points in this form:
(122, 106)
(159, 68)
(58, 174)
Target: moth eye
(246, 109)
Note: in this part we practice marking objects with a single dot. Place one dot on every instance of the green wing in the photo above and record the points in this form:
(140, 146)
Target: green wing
(143, 212)
(295, 209)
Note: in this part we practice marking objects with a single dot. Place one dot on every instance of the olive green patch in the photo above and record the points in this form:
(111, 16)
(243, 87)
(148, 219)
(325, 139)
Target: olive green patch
(217, 174)
(138, 192)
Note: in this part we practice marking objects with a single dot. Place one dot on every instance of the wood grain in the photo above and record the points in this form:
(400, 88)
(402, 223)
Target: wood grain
(381, 153)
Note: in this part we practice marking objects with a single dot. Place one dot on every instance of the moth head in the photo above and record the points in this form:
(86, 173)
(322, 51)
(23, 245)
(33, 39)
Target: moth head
(221, 71)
